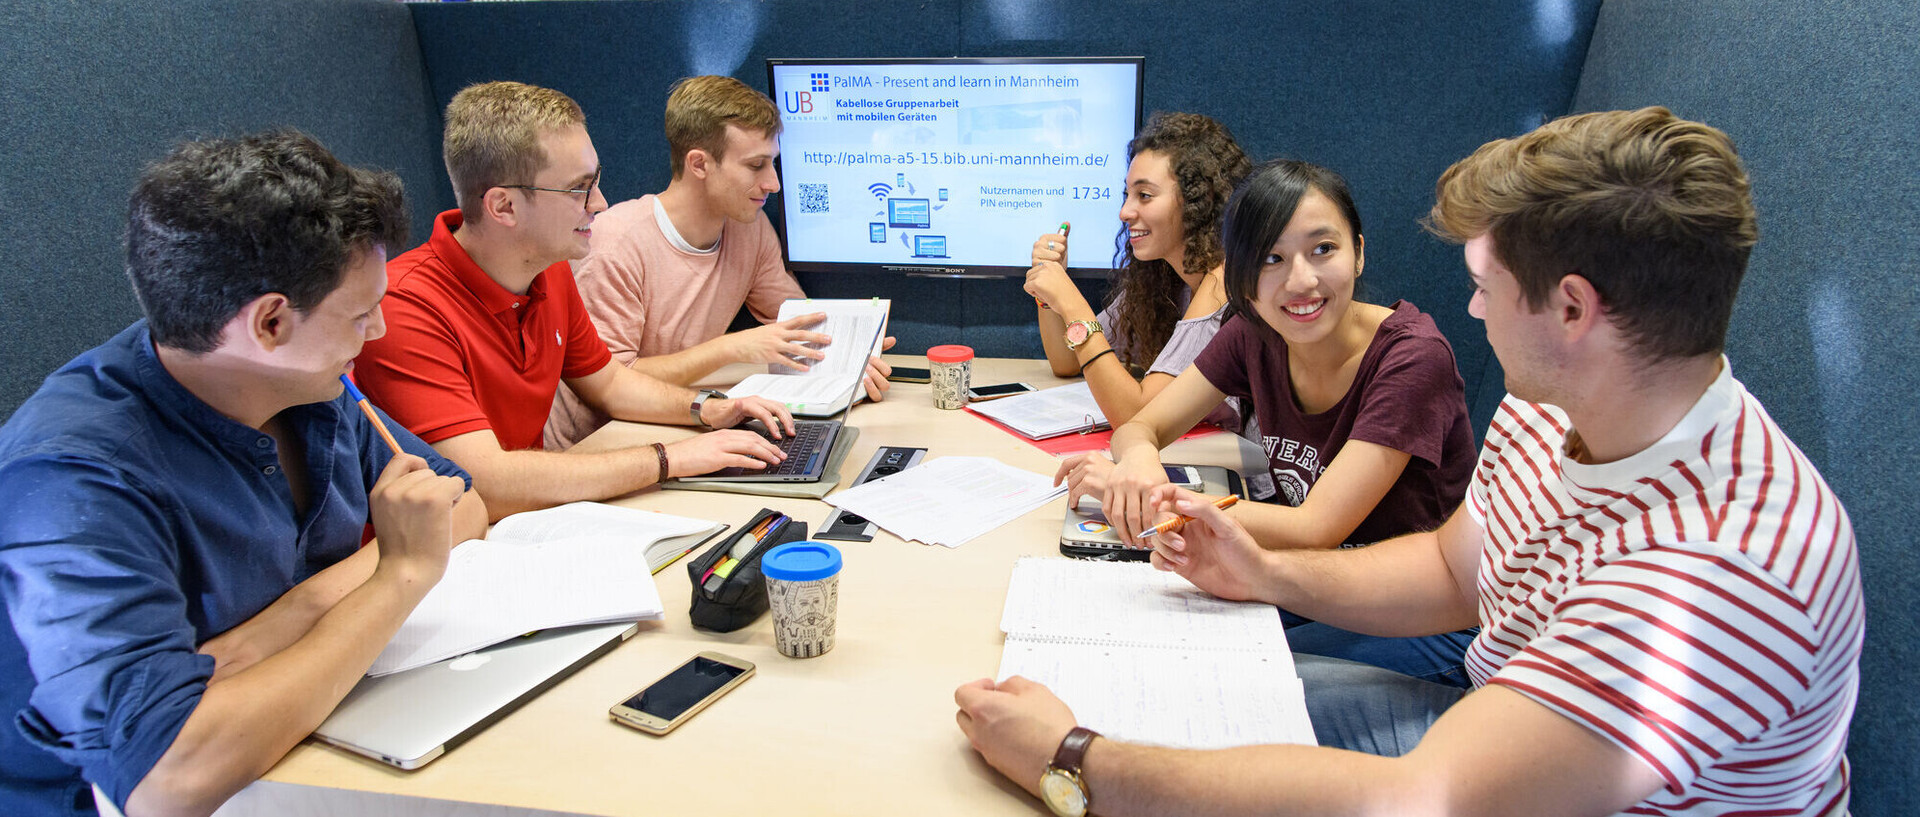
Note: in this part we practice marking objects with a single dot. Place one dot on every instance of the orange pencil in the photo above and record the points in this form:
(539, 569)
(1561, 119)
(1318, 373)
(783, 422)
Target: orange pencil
(1180, 520)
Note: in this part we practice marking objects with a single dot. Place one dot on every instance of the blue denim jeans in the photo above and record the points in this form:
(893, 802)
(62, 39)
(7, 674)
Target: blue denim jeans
(1364, 708)
(1437, 658)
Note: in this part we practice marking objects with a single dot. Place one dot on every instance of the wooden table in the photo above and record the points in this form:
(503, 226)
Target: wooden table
(866, 729)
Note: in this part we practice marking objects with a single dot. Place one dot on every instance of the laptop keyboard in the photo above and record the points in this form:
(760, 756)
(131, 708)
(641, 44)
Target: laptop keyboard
(807, 438)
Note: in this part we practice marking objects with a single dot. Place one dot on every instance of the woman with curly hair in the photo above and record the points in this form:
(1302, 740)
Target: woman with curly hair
(1168, 301)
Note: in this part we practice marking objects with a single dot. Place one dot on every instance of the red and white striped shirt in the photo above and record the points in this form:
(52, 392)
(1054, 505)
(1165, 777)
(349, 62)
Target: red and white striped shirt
(1697, 604)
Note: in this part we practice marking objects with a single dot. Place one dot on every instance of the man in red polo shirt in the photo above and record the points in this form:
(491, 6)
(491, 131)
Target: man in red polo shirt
(484, 322)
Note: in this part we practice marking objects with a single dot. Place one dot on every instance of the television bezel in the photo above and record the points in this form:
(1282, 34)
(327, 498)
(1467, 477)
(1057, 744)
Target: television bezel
(944, 270)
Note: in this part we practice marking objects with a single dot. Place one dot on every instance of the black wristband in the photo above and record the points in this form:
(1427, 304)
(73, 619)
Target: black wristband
(661, 451)
(1103, 353)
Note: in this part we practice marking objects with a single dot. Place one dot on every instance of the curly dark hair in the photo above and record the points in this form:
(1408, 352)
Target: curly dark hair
(220, 222)
(1206, 164)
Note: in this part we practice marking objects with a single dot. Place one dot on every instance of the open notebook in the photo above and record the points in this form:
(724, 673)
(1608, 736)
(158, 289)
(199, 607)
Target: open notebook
(579, 563)
(1046, 413)
(829, 386)
(1145, 656)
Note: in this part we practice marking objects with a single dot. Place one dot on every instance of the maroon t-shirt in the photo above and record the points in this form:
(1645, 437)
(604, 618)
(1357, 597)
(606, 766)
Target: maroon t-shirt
(1407, 395)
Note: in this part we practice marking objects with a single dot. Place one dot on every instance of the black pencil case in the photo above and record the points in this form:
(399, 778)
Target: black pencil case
(740, 598)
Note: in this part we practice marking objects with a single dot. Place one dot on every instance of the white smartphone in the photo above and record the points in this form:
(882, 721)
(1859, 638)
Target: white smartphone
(1185, 476)
(682, 693)
(979, 393)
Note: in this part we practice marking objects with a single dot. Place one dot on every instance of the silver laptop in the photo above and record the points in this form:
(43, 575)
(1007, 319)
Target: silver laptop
(409, 718)
(1085, 532)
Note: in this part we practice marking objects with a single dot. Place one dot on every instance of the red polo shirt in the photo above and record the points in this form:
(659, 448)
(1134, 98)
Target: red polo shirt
(463, 354)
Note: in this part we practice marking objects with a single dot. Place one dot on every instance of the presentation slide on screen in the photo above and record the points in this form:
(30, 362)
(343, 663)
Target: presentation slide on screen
(952, 165)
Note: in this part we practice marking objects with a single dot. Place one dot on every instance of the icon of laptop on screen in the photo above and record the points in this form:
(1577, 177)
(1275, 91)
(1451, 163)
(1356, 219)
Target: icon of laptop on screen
(909, 213)
(929, 246)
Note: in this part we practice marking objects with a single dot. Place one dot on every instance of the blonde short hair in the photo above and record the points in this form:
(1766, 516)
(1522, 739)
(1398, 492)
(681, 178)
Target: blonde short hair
(699, 109)
(493, 136)
(1654, 210)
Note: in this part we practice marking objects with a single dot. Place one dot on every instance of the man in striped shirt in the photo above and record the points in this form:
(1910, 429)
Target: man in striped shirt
(1668, 592)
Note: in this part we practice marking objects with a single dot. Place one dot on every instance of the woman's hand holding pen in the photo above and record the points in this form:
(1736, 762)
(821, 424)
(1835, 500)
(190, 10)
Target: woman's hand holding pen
(1051, 247)
(1047, 279)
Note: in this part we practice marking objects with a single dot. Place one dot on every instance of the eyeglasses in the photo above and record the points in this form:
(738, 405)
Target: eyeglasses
(586, 192)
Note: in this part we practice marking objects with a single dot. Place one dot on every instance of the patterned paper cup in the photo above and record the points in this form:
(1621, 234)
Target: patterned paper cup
(952, 368)
(803, 590)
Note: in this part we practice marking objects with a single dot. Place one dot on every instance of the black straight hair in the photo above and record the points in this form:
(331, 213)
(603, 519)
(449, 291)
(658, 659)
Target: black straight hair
(1259, 212)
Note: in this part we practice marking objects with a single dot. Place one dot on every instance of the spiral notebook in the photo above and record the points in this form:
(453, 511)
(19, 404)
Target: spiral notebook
(1145, 656)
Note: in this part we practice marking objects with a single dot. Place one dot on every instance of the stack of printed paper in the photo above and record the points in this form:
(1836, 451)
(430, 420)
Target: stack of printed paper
(949, 501)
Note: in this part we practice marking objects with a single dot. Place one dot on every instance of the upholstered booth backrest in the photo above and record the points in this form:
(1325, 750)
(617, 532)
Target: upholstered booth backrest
(94, 91)
(1388, 93)
(1822, 102)
(1821, 98)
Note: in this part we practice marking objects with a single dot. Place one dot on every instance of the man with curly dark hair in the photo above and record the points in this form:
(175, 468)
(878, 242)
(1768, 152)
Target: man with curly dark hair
(182, 565)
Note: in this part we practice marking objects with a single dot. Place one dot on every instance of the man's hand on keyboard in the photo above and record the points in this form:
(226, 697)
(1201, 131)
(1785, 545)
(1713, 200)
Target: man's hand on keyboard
(714, 450)
(732, 412)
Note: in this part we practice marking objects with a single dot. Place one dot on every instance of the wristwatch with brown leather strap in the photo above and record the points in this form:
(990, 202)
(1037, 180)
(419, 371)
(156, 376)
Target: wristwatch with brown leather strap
(1062, 786)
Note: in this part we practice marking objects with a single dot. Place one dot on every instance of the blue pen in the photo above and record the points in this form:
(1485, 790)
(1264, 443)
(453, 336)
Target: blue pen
(354, 392)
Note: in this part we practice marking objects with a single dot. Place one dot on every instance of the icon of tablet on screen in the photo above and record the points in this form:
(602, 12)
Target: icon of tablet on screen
(877, 232)
(943, 194)
(910, 214)
(929, 246)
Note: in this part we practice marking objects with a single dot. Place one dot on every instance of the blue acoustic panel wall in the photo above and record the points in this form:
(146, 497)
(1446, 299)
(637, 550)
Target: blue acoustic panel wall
(1822, 100)
(1388, 93)
(94, 91)
(619, 58)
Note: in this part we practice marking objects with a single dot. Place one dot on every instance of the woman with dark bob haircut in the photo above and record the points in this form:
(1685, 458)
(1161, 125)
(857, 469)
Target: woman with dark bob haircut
(1168, 300)
(1360, 408)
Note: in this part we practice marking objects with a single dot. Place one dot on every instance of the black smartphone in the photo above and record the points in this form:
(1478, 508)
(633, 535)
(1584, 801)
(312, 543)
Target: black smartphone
(979, 393)
(670, 701)
(902, 374)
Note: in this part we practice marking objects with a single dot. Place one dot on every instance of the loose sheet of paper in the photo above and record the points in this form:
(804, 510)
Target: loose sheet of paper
(949, 501)
(493, 591)
(593, 518)
(643, 530)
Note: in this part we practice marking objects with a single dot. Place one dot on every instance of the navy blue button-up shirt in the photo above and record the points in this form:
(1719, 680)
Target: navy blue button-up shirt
(139, 524)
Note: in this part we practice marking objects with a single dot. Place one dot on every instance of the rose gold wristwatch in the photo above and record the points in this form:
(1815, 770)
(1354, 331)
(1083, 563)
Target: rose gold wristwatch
(1079, 332)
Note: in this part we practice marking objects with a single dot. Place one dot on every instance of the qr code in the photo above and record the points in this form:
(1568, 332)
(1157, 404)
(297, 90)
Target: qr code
(813, 198)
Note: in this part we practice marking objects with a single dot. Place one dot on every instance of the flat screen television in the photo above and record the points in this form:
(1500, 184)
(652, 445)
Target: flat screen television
(951, 167)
